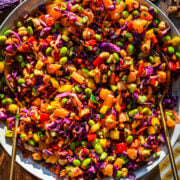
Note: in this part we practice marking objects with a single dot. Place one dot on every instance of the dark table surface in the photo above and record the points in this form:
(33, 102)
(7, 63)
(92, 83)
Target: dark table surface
(20, 173)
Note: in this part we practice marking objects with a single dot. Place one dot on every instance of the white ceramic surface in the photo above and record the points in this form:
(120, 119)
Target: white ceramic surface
(42, 172)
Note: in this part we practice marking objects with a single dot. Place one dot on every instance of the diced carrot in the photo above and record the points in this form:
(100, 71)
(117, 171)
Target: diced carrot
(132, 153)
(60, 112)
(76, 171)
(132, 77)
(104, 93)
(51, 10)
(107, 3)
(170, 122)
(112, 79)
(162, 76)
(109, 100)
(140, 25)
(84, 112)
(77, 77)
(110, 121)
(176, 117)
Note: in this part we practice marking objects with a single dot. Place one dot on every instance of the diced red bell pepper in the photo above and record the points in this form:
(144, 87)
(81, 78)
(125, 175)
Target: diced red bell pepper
(154, 40)
(153, 82)
(44, 117)
(120, 147)
(85, 152)
(172, 66)
(130, 26)
(50, 21)
(55, 146)
(91, 137)
(91, 42)
(98, 61)
(123, 106)
(32, 39)
(141, 69)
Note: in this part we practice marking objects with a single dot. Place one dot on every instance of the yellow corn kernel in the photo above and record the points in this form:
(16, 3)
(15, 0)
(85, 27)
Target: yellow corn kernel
(157, 59)
(103, 142)
(13, 108)
(39, 65)
(141, 139)
(1, 67)
(55, 83)
(35, 137)
(37, 156)
(65, 38)
(130, 17)
(155, 121)
(135, 124)
(103, 109)
(114, 135)
(175, 41)
(65, 88)
(91, 84)
(55, 104)
(122, 21)
(149, 34)
(118, 163)
(50, 60)
(151, 130)
(105, 132)
(95, 127)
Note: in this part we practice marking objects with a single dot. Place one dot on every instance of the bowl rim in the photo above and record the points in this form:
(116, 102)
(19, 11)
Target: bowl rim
(8, 23)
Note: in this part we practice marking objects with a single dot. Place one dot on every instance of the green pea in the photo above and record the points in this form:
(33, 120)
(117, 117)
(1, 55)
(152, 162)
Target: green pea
(156, 21)
(135, 12)
(9, 101)
(144, 110)
(103, 156)
(166, 38)
(63, 60)
(7, 32)
(21, 81)
(98, 37)
(30, 30)
(63, 51)
(151, 58)
(2, 96)
(130, 49)
(2, 39)
(178, 54)
(72, 145)
(19, 58)
(125, 14)
(98, 148)
(133, 112)
(118, 175)
(64, 100)
(86, 162)
(31, 142)
(116, 57)
(84, 143)
(110, 158)
(91, 122)
(120, 44)
(19, 24)
(149, 113)
(71, 51)
(76, 162)
(132, 87)
(23, 64)
(22, 136)
(78, 89)
(48, 51)
(129, 139)
(88, 91)
(171, 50)
(40, 134)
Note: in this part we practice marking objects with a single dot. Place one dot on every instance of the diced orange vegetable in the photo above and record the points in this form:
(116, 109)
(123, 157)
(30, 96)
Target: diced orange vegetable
(140, 25)
(118, 163)
(65, 88)
(52, 12)
(108, 170)
(107, 3)
(146, 15)
(52, 159)
(132, 153)
(162, 76)
(77, 77)
(104, 93)
(110, 121)
(132, 77)
(122, 117)
(74, 172)
(84, 112)
(55, 83)
(170, 122)
(60, 112)
(109, 100)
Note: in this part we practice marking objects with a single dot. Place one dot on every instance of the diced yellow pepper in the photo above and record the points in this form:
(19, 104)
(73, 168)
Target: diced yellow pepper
(103, 109)
(35, 137)
(91, 84)
(151, 130)
(130, 17)
(118, 163)
(114, 134)
(155, 121)
(9, 133)
(103, 142)
(13, 108)
(105, 132)
(55, 104)
(1, 66)
(175, 41)
(65, 88)
(55, 83)
(95, 127)
(39, 65)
